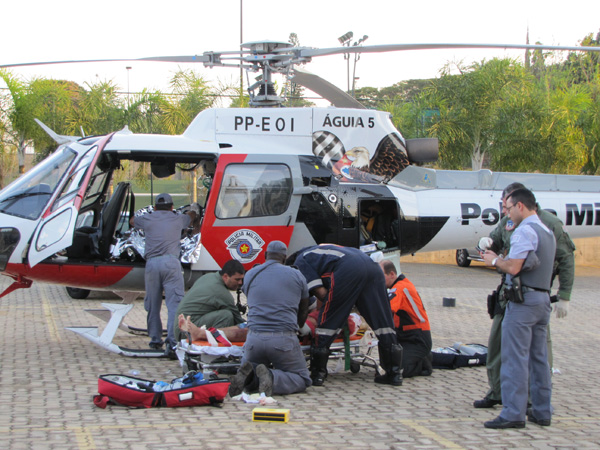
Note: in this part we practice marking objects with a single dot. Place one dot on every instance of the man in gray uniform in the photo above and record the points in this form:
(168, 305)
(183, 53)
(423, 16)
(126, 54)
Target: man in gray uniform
(162, 229)
(564, 267)
(528, 267)
(277, 307)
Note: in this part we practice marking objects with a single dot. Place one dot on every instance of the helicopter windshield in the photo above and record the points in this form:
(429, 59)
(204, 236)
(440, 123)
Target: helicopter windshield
(28, 195)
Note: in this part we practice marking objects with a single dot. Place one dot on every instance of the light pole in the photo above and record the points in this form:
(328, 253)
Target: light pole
(345, 41)
(128, 69)
(241, 42)
(356, 58)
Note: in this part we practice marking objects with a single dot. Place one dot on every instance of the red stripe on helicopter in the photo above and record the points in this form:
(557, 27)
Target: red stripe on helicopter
(87, 275)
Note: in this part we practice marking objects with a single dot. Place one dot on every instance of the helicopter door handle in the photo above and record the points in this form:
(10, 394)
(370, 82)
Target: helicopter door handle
(289, 221)
(304, 190)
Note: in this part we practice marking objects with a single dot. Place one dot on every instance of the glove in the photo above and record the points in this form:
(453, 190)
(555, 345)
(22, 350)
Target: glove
(305, 330)
(485, 243)
(562, 308)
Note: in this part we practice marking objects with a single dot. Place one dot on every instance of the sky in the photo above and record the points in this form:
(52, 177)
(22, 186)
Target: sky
(34, 31)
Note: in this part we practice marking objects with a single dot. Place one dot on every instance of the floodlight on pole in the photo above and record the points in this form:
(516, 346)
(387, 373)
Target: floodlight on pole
(128, 69)
(356, 58)
(345, 40)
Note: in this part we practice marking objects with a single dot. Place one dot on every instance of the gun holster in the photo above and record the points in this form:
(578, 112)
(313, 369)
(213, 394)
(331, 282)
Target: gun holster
(514, 293)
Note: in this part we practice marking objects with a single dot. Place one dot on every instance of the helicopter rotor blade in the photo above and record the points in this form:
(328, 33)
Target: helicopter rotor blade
(325, 89)
(311, 52)
(205, 58)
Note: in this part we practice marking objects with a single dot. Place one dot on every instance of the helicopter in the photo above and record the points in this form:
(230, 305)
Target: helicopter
(342, 174)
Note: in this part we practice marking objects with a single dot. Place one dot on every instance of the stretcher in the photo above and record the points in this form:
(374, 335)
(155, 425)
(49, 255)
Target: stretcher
(221, 358)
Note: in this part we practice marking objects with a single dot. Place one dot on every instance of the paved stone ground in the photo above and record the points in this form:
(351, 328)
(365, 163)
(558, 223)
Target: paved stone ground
(48, 376)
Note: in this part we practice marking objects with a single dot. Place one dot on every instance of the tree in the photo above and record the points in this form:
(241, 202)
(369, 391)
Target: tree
(591, 127)
(51, 101)
(403, 91)
(468, 106)
(98, 110)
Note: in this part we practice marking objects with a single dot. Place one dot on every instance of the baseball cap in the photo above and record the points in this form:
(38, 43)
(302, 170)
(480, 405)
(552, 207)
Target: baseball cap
(277, 247)
(164, 199)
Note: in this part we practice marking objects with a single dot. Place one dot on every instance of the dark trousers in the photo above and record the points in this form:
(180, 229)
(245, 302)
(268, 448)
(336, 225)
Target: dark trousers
(356, 281)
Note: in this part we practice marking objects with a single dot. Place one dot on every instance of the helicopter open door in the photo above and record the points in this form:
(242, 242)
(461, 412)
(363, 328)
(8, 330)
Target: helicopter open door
(255, 200)
(57, 224)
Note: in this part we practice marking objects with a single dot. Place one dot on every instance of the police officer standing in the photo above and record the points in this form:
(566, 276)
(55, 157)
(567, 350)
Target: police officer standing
(162, 230)
(528, 266)
(564, 268)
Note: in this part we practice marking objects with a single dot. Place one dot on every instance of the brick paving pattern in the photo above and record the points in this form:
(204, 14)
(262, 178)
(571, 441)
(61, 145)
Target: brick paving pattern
(48, 376)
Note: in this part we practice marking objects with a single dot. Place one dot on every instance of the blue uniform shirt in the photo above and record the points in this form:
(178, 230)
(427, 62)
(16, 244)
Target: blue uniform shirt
(274, 292)
(525, 239)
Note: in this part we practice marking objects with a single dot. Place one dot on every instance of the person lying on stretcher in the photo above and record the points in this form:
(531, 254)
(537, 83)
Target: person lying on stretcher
(356, 326)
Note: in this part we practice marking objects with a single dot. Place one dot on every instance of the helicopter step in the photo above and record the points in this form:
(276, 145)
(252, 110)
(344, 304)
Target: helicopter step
(105, 340)
(105, 314)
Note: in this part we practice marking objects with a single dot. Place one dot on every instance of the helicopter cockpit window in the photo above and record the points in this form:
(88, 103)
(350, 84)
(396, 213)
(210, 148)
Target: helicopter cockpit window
(28, 196)
(254, 190)
(71, 187)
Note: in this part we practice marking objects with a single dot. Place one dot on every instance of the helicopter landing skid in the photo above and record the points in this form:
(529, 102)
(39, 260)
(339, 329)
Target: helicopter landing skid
(105, 340)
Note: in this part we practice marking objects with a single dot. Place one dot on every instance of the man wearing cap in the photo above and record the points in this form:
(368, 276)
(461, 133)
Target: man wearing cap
(411, 322)
(162, 230)
(277, 308)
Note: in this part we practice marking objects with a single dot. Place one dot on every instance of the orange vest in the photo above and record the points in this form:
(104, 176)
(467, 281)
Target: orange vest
(407, 307)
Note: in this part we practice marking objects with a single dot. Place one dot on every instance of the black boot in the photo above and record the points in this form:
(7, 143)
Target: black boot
(318, 365)
(390, 359)
(242, 379)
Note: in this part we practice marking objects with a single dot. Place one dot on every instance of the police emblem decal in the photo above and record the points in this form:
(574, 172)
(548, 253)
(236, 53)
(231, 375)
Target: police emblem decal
(244, 245)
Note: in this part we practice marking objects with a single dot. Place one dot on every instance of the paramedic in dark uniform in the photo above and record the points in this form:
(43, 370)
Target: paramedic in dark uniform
(564, 268)
(524, 351)
(413, 330)
(162, 230)
(341, 278)
(277, 308)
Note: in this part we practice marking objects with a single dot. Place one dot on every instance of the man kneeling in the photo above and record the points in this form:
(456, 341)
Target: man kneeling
(277, 308)
(410, 321)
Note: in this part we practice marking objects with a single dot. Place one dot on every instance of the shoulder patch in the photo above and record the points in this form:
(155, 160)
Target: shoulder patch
(510, 225)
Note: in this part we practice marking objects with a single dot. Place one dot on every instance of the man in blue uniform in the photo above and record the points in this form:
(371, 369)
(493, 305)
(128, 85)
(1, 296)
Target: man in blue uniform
(528, 267)
(277, 307)
(341, 278)
(162, 230)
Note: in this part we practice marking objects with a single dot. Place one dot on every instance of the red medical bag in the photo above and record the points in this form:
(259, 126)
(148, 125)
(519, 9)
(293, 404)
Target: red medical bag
(124, 390)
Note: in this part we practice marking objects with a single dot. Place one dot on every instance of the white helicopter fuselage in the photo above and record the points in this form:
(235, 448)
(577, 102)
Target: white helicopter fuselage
(301, 175)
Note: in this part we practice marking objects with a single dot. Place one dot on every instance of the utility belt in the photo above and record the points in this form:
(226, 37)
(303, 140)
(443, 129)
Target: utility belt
(514, 292)
(505, 293)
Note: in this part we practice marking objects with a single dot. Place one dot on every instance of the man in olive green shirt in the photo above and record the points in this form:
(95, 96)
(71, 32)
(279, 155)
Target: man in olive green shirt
(209, 302)
(564, 268)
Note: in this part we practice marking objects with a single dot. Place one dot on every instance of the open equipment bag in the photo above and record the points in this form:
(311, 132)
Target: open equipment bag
(469, 355)
(190, 390)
